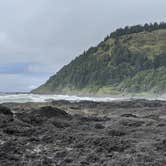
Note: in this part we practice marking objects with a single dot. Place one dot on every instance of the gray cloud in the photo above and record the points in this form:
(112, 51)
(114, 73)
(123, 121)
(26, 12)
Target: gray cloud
(19, 82)
(47, 34)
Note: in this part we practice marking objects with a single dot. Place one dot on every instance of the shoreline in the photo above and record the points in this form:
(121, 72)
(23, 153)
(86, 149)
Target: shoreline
(24, 98)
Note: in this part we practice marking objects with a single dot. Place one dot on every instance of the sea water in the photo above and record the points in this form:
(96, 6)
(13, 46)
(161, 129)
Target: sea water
(23, 98)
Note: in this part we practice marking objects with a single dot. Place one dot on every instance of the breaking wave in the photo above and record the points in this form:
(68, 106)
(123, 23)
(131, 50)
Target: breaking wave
(23, 98)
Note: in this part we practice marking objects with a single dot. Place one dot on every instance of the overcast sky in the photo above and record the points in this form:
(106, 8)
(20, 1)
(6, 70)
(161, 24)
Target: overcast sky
(38, 37)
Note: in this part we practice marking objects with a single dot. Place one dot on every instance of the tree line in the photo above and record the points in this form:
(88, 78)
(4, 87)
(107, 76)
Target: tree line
(136, 29)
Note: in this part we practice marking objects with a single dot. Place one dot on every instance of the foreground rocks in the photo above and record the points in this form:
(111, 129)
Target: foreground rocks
(60, 133)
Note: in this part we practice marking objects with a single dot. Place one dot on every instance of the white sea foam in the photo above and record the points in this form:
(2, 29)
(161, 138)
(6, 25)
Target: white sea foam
(23, 98)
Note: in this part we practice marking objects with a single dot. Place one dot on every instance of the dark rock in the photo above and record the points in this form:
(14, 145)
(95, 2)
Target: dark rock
(18, 131)
(92, 158)
(39, 135)
(99, 126)
(60, 124)
(48, 138)
(109, 144)
(161, 145)
(33, 139)
(116, 133)
(50, 112)
(5, 110)
(60, 102)
(131, 123)
(84, 163)
(31, 118)
(61, 154)
(6, 116)
(129, 115)
(93, 118)
(68, 160)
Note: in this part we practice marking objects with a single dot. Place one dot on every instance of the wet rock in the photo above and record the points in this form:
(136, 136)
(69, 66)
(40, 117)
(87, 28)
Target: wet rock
(68, 160)
(161, 145)
(108, 134)
(116, 133)
(109, 144)
(50, 112)
(92, 158)
(33, 139)
(99, 126)
(30, 118)
(155, 117)
(84, 163)
(93, 118)
(11, 149)
(49, 139)
(131, 123)
(6, 116)
(60, 102)
(19, 131)
(129, 115)
(60, 123)
(5, 110)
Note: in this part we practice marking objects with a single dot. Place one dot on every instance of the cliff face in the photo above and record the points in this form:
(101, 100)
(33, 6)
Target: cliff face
(129, 60)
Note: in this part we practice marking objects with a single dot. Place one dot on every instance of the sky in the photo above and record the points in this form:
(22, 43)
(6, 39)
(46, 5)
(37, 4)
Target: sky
(38, 37)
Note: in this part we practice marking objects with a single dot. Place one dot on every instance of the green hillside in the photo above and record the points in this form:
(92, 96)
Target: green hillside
(132, 59)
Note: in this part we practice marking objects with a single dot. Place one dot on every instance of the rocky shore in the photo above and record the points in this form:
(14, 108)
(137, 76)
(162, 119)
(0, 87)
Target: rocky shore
(61, 133)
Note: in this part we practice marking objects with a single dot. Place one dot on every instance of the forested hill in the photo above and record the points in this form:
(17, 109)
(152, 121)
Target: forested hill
(130, 60)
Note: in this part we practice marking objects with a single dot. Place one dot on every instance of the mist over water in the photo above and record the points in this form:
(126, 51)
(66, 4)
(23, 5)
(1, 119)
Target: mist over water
(23, 98)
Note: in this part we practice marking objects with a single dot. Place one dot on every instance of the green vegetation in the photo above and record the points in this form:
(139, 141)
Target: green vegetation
(146, 81)
(137, 29)
(132, 60)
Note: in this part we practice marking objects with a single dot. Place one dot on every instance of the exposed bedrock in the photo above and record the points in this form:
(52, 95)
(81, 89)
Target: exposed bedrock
(128, 133)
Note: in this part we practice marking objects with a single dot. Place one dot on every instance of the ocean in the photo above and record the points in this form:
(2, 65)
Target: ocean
(23, 98)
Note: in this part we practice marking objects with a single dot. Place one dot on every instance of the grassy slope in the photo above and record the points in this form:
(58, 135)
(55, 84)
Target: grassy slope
(149, 44)
(144, 81)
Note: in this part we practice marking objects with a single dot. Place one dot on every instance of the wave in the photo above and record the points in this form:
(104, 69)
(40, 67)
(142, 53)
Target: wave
(24, 98)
